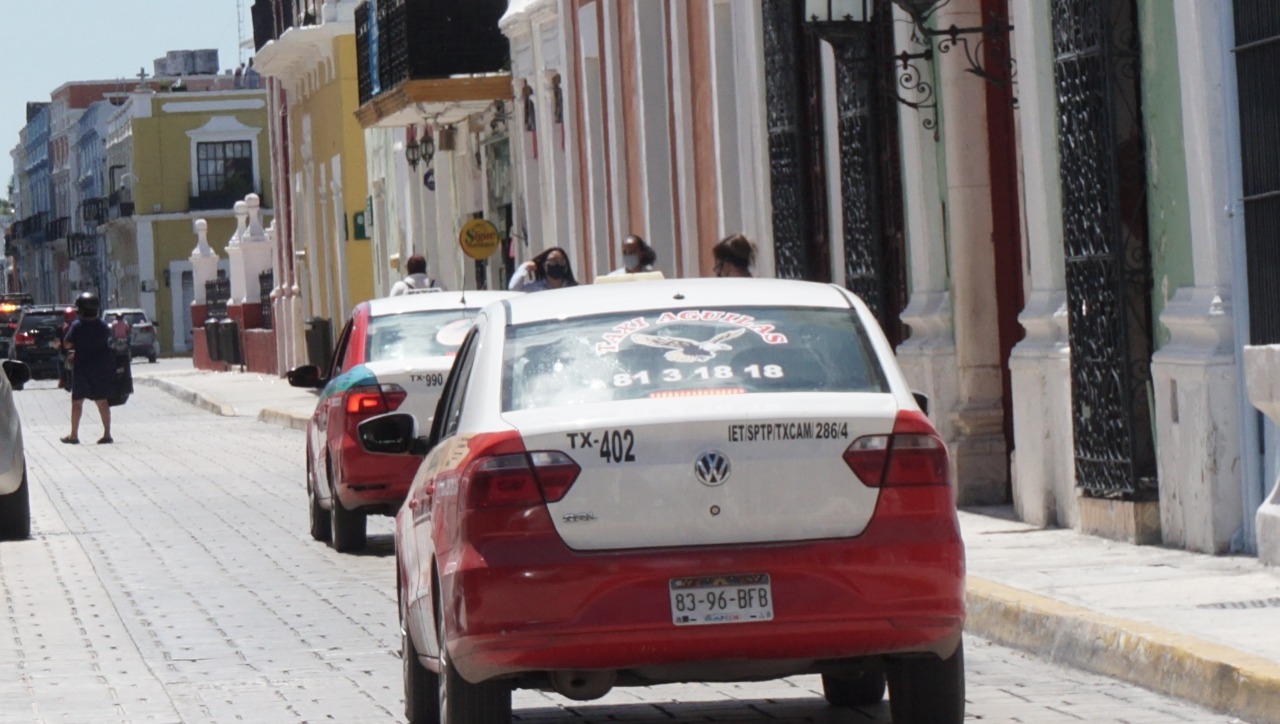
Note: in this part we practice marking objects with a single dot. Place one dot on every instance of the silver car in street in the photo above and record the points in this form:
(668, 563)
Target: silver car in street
(142, 331)
(15, 506)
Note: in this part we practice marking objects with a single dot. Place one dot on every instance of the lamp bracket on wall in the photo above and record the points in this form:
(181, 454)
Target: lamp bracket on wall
(988, 54)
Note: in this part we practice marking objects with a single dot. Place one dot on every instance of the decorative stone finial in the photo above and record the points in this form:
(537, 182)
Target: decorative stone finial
(242, 222)
(202, 239)
(255, 230)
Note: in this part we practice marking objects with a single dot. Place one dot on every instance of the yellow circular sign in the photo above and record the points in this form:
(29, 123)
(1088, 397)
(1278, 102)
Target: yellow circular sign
(479, 239)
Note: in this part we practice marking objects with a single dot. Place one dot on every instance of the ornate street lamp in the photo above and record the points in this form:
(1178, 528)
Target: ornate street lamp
(992, 31)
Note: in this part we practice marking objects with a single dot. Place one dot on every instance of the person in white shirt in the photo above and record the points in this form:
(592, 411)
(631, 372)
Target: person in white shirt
(637, 256)
(416, 266)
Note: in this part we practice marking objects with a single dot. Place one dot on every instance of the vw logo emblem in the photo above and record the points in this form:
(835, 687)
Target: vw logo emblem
(711, 468)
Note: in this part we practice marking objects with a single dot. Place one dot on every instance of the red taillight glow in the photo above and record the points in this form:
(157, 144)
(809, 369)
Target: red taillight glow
(373, 399)
(912, 455)
(519, 479)
(22, 339)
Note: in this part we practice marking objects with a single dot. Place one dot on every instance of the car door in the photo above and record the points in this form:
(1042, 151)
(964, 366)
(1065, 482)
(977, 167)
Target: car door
(330, 396)
(424, 513)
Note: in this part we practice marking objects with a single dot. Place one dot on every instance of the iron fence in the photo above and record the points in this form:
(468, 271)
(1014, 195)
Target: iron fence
(216, 293)
(266, 282)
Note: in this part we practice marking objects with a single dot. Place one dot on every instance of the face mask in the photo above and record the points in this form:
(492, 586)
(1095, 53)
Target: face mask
(556, 271)
(631, 261)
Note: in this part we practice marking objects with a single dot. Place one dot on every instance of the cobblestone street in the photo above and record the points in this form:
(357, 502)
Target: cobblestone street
(170, 578)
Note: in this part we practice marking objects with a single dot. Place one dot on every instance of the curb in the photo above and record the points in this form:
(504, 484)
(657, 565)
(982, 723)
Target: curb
(282, 418)
(188, 395)
(1178, 665)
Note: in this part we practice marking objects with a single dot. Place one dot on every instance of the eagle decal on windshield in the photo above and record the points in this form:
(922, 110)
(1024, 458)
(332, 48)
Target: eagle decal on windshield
(689, 350)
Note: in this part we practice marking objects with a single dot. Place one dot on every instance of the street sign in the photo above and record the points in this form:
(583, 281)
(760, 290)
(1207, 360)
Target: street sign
(479, 239)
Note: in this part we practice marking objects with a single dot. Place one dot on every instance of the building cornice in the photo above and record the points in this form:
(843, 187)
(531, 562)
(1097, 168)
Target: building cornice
(299, 50)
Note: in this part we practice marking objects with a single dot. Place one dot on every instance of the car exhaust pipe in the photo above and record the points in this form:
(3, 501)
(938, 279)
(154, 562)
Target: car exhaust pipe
(583, 685)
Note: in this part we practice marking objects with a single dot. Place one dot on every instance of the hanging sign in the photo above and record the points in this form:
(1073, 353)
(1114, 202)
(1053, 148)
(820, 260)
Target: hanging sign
(479, 239)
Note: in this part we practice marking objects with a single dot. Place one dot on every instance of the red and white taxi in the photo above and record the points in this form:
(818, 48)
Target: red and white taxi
(682, 480)
(386, 374)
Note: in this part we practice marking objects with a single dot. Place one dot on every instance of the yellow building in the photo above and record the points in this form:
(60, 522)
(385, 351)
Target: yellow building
(174, 156)
(325, 262)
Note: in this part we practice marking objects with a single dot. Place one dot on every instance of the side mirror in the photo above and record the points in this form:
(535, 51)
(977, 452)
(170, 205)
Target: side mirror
(155, 324)
(420, 447)
(307, 376)
(922, 400)
(392, 434)
(18, 373)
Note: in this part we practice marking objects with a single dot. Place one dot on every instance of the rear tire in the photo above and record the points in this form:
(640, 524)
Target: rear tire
(421, 686)
(462, 702)
(853, 690)
(927, 690)
(15, 513)
(319, 517)
(346, 527)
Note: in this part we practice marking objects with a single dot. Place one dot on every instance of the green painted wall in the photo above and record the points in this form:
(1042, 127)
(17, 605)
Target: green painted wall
(1168, 216)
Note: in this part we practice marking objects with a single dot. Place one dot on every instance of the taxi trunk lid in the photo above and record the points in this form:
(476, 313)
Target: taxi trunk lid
(710, 471)
(421, 378)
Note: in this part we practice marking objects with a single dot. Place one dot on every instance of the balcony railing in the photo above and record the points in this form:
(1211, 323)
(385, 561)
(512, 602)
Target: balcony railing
(60, 227)
(224, 199)
(93, 211)
(427, 39)
(272, 17)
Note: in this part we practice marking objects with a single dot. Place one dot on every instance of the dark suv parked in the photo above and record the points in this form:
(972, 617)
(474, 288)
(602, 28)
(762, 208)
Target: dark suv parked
(38, 340)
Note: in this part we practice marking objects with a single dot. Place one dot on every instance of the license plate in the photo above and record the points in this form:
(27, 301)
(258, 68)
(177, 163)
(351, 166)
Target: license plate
(703, 600)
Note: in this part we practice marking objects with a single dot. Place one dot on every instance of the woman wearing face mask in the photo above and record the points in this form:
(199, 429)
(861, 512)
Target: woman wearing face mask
(548, 270)
(637, 256)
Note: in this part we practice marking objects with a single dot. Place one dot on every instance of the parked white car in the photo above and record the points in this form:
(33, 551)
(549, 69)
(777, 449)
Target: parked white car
(15, 506)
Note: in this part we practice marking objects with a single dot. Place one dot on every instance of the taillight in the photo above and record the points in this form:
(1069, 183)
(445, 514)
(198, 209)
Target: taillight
(912, 455)
(519, 479)
(22, 339)
(373, 399)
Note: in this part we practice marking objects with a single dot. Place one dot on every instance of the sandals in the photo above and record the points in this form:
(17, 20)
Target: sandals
(105, 441)
(69, 440)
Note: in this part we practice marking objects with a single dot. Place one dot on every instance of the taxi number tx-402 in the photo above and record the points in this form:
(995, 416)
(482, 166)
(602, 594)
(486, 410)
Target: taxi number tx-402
(702, 600)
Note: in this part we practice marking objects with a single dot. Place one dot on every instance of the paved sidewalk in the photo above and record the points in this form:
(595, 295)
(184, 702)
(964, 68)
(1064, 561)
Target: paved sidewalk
(1205, 629)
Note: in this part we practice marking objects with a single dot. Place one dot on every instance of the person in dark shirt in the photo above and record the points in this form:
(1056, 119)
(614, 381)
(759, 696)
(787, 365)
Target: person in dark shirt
(92, 366)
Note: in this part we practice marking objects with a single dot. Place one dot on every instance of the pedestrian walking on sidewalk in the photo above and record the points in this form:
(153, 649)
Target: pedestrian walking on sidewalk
(417, 278)
(548, 270)
(637, 256)
(93, 368)
(734, 255)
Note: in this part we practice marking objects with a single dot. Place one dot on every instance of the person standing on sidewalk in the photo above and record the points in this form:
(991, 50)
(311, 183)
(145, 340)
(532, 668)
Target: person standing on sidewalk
(93, 369)
(417, 278)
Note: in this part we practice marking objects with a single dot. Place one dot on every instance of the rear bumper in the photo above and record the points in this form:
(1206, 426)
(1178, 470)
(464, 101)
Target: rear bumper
(372, 480)
(525, 606)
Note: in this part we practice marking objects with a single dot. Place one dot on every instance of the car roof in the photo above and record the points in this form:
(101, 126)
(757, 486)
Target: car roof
(673, 293)
(424, 301)
(124, 310)
(47, 308)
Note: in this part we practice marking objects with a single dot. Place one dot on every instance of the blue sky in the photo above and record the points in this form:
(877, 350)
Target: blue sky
(46, 43)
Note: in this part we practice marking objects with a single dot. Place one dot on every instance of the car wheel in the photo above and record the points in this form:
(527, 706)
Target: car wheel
(462, 702)
(319, 516)
(151, 358)
(927, 689)
(421, 686)
(851, 690)
(15, 513)
(346, 527)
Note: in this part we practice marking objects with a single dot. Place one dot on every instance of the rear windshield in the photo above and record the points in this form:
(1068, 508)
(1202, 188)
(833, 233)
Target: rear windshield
(417, 334)
(687, 352)
(42, 320)
(134, 318)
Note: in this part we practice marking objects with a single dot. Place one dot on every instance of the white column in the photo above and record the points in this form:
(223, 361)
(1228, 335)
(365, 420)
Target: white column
(235, 256)
(204, 262)
(1195, 376)
(979, 451)
(255, 251)
(1044, 461)
(928, 356)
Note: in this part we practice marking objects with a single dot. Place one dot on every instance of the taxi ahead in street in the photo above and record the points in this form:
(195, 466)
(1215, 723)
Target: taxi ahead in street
(15, 499)
(387, 370)
(680, 480)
